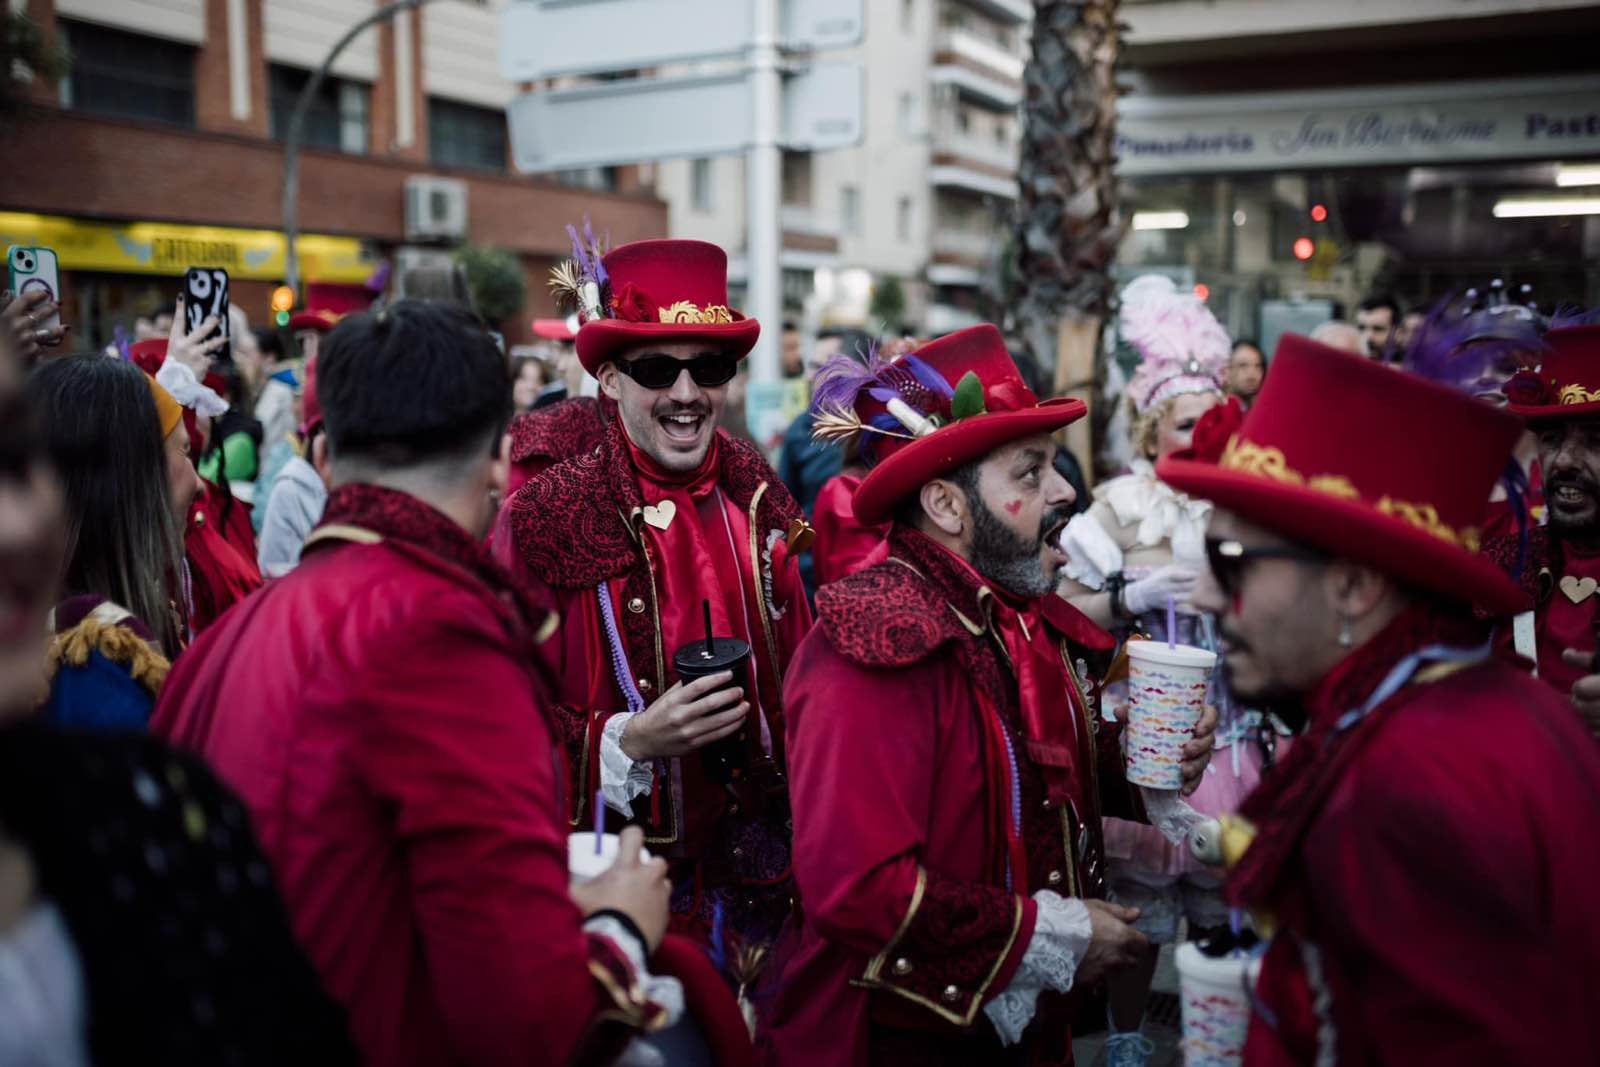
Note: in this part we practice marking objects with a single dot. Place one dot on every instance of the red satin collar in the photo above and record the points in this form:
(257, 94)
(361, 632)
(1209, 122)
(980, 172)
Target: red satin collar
(657, 481)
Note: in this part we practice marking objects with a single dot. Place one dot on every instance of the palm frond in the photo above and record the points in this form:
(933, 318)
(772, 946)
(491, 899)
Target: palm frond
(564, 284)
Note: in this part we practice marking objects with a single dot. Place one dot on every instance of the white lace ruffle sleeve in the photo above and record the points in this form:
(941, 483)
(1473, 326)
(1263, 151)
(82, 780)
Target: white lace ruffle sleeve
(622, 781)
(1061, 935)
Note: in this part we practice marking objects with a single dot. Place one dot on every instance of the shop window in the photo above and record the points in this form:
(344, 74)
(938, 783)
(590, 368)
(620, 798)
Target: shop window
(127, 74)
(850, 208)
(337, 119)
(700, 186)
(460, 135)
(601, 179)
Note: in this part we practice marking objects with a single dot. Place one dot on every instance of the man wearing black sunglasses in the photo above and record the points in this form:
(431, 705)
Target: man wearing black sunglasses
(668, 524)
(1417, 847)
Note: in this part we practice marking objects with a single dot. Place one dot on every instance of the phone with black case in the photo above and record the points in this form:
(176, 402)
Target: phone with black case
(205, 293)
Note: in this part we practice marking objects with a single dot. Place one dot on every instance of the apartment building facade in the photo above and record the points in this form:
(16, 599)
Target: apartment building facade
(921, 203)
(163, 147)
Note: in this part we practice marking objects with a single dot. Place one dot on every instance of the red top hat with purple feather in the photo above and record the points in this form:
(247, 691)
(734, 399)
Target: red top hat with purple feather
(1328, 455)
(921, 416)
(648, 291)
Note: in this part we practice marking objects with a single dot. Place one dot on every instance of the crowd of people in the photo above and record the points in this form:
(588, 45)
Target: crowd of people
(395, 700)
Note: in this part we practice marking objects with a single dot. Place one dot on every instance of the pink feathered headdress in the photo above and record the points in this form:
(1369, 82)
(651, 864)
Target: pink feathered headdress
(1182, 347)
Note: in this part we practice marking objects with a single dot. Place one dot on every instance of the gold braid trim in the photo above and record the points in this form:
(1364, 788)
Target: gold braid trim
(1270, 463)
(687, 313)
(116, 643)
(1577, 394)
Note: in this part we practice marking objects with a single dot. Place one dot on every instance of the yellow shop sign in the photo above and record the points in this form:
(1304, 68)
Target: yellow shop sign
(170, 248)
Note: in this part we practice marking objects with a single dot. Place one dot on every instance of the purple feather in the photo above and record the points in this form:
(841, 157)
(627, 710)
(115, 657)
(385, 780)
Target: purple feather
(839, 380)
(930, 378)
(600, 275)
(580, 255)
(1469, 350)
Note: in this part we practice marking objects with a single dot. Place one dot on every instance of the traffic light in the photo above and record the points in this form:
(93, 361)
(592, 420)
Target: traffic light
(1319, 213)
(1304, 248)
(282, 302)
(1203, 291)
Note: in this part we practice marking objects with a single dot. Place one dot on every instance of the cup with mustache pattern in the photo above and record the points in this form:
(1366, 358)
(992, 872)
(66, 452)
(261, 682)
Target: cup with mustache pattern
(1166, 697)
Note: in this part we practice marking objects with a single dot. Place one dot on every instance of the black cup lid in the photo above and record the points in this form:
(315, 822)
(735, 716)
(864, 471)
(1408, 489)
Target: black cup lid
(725, 652)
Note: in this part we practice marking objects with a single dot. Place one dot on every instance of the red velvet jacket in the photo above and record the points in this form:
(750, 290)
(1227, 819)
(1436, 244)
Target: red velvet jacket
(379, 713)
(908, 926)
(1432, 869)
(544, 437)
(577, 528)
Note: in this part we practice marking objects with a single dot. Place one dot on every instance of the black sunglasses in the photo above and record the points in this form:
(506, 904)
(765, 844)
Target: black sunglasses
(661, 372)
(1228, 559)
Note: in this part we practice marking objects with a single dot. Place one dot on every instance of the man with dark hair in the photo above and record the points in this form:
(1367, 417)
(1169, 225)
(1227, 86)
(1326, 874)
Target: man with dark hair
(948, 771)
(1558, 564)
(1247, 369)
(381, 715)
(667, 526)
(1376, 318)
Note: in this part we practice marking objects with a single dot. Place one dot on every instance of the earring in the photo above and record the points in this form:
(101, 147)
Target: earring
(494, 499)
(1346, 638)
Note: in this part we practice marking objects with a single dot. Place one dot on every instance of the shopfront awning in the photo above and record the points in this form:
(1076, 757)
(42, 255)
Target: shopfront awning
(169, 248)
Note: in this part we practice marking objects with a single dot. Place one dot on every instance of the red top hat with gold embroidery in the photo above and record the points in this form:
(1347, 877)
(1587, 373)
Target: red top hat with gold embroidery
(922, 415)
(1371, 464)
(1567, 383)
(649, 291)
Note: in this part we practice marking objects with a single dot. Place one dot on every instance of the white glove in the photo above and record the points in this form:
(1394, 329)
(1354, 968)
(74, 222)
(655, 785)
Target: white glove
(1175, 580)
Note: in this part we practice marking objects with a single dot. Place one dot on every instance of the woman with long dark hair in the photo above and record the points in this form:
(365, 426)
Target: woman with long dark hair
(138, 918)
(121, 455)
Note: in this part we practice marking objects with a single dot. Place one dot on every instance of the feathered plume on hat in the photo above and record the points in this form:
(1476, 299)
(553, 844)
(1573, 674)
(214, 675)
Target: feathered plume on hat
(581, 284)
(1182, 347)
(917, 397)
(1474, 348)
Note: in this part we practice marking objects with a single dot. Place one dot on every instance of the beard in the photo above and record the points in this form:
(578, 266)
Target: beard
(1009, 559)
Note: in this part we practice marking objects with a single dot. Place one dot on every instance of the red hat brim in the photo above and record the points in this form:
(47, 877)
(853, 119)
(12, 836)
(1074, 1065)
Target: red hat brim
(600, 340)
(1351, 530)
(1554, 412)
(906, 470)
(322, 322)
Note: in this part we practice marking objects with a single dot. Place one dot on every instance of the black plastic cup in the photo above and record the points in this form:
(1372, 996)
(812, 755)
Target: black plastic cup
(724, 760)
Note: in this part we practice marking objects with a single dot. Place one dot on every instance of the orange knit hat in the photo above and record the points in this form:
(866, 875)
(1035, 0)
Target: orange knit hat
(168, 410)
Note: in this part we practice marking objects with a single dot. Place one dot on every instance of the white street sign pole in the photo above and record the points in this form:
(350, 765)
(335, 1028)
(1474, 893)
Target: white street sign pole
(763, 225)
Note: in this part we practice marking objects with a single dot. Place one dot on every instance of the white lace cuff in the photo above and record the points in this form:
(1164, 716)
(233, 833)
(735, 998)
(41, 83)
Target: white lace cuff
(1061, 935)
(179, 380)
(666, 993)
(1092, 556)
(621, 779)
(1171, 814)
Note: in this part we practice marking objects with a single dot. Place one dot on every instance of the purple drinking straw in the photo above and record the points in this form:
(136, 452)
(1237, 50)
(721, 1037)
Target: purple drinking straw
(599, 819)
(1172, 622)
(1236, 924)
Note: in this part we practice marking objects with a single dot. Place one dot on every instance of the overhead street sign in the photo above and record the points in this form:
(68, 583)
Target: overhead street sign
(608, 123)
(543, 38)
(818, 25)
(546, 38)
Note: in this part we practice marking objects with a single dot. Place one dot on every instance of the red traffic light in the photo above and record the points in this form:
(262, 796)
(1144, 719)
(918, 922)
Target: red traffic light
(1319, 213)
(1203, 291)
(1304, 248)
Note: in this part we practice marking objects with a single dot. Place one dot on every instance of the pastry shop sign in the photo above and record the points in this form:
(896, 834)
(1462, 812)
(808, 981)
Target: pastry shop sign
(1549, 119)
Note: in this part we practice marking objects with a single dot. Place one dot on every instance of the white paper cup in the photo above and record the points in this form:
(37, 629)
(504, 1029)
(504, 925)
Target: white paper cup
(584, 864)
(1166, 696)
(1216, 1005)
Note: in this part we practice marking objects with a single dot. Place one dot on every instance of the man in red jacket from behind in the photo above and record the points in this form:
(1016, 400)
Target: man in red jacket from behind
(378, 712)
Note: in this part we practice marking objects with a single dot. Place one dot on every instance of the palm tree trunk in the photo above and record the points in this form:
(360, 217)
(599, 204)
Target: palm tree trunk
(1068, 223)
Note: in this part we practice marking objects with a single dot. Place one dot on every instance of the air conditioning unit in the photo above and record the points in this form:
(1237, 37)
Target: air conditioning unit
(436, 208)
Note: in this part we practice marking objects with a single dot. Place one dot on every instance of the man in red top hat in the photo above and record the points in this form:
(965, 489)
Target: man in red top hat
(1558, 564)
(948, 771)
(1415, 851)
(665, 524)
